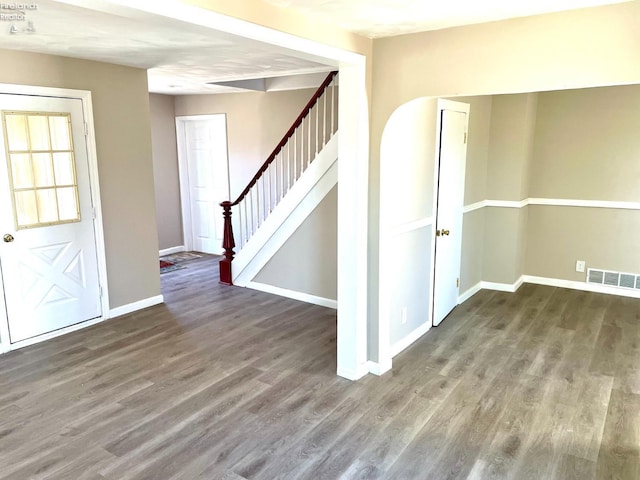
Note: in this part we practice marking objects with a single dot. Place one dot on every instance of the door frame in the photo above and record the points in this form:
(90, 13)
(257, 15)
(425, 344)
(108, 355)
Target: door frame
(92, 158)
(458, 107)
(183, 174)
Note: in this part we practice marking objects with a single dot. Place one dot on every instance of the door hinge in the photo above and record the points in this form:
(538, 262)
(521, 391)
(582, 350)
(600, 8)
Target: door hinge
(465, 137)
(86, 129)
(100, 291)
(457, 282)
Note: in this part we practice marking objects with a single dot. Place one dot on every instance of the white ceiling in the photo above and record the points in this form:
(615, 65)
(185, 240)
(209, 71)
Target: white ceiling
(182, 57)
(384, 18)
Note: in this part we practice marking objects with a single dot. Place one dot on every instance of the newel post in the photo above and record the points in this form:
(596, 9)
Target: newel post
(228, 243)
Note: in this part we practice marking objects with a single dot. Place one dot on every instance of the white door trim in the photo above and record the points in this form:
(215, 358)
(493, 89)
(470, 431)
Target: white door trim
(183, 174)
(458, 107)
(92, 157)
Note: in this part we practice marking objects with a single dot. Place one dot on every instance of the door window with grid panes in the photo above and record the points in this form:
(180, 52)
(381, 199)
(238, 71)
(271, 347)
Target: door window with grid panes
(42, 171)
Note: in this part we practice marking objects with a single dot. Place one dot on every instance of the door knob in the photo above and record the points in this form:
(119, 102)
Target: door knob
(438, 233)
(8, 238)
(445, 232)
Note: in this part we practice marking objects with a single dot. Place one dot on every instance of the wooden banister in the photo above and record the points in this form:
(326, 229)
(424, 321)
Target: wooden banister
(286, 137)
(228, 242)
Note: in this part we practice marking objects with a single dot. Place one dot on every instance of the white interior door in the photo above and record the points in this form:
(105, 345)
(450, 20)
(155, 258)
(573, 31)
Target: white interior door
(204, 176)
(450, 198)
(48, 254)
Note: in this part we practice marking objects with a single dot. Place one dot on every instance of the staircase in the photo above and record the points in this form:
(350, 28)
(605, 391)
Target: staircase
(293, 180)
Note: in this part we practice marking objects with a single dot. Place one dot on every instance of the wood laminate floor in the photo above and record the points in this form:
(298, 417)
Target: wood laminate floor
(229, 383)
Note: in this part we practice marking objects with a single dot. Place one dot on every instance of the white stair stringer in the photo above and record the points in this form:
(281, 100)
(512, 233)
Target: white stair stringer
(305, 195)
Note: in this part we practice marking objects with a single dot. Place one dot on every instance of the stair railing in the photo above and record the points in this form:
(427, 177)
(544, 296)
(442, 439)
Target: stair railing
(310, 132)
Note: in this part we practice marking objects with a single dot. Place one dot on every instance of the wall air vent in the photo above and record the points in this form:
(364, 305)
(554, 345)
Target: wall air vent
(595, 276)
(613, 279)
(627, 280)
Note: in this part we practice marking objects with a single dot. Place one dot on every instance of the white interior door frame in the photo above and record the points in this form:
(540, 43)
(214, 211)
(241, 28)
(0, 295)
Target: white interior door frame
(458, 107)
(183, 174)
(92, 157)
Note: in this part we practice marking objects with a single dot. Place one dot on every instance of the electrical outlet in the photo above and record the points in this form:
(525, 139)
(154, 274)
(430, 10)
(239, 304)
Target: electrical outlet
(403, 318)
(580, 264)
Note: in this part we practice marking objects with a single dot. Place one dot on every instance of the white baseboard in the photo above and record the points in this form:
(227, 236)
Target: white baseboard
(404, 343)
(587, 287)
(135, 306)
(6, 347)
(114, 312)
(379, 368)
(553, 202)
(351, 374)
(303, 297)
(503, 287)
(172, 250)
(551, 282)
(470, 293)
(506, 287)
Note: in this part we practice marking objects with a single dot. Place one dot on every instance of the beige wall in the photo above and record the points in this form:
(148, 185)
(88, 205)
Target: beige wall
(605, 238)
(473, 254)
(586, 148)
(165, 171)
(513, 122)
(587, 144)
(572, 144)
(256, 122)
(121, 116)
(511, 141)
(307, 262)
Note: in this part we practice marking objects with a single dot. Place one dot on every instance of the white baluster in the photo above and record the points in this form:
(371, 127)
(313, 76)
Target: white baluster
(257, 208)
(309, 139)
(263, 197)
(238, 231)
(250, 197)
(281, 191)
(259, 202)
(288, 146)
(317, 107)
(333, 103)
(270, 187)
(302, 165)
(295, 158)
(324, 119)
(246, 220)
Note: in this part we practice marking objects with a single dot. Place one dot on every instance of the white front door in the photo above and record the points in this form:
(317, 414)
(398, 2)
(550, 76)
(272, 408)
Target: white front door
(204, 180)
(48, 255)
(450, 198)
